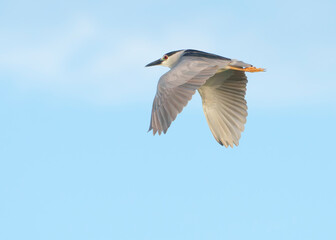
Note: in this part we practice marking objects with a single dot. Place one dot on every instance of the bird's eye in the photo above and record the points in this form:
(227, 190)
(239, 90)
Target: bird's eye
(165, 57)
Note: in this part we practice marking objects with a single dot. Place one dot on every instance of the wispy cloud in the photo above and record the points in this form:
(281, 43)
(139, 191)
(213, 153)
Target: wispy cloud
(90, 62)
(49, 58)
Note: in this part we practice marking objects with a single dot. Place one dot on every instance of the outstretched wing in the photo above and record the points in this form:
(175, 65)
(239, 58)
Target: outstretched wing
(224, 105)
(175, 89)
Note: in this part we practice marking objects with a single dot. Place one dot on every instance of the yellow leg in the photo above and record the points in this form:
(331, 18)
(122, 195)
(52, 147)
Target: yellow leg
(248, 69)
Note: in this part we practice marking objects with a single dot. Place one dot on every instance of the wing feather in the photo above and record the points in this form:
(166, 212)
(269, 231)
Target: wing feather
(176, 88)
(224, 105)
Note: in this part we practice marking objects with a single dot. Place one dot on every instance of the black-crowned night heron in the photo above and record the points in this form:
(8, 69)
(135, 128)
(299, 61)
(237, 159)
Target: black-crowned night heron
(221, 83)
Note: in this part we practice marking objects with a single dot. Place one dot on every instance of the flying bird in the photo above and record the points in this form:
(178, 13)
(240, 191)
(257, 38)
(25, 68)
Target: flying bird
(220, 81)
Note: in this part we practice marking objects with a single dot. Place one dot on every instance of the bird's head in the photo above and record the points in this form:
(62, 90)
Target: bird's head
(168, 59)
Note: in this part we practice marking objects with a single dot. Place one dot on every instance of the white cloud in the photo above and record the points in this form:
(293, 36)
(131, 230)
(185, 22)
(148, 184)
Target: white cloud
(49, 58)
(86, 61)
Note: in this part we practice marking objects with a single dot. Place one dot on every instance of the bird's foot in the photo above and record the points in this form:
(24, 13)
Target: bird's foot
(254, 69)
(248, 69)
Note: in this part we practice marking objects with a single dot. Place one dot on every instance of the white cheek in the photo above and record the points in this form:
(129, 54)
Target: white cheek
(168, 63)
(164, 63)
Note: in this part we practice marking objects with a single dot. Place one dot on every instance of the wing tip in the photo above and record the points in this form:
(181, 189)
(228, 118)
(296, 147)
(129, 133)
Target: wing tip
(227, 143)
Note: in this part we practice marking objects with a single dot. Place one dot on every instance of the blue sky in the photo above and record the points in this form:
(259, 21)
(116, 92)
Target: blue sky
(76, 161)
